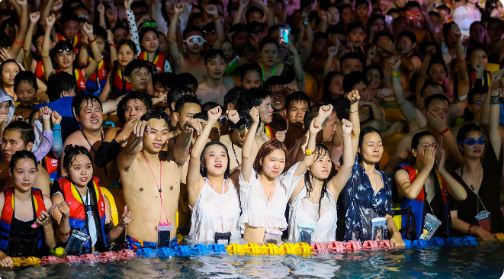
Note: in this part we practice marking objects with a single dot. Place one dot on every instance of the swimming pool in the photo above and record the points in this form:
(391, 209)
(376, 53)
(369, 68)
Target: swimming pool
(484, 261)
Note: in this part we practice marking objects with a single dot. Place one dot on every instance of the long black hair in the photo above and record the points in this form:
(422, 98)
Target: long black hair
(203, 169)
(321, 151)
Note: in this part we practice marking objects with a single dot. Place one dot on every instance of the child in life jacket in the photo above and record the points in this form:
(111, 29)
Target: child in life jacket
(25, 224)
(84, 224)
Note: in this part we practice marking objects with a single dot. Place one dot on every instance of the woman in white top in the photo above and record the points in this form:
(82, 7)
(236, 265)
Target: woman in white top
(212, 196)
(312, 214)
(264, 190)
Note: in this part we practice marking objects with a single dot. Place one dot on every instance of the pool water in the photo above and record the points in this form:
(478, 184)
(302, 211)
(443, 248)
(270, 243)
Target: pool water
(484, 261)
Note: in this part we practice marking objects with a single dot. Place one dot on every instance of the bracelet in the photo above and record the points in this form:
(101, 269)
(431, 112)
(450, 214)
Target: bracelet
(113, 45)
(494, 100)
(65, 234)
(308, 152)
(444, 131)
(396, 74)
(352, 111)
(92, 41)
(462, 98)
(469, 229)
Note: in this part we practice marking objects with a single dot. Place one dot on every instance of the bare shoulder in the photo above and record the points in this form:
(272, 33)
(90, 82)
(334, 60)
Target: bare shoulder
(75, 138)
(111, 133)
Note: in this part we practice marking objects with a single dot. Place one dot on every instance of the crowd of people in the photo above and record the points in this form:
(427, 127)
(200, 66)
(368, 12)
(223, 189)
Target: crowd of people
(127, 124)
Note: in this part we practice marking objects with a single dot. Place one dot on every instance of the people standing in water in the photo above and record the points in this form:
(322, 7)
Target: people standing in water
(312, 211)
(367, 196)
(25, 224)
(82, 207)
(424, 186)
(212, 195)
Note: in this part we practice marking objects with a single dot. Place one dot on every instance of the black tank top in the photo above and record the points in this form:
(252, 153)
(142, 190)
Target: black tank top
(23, 238)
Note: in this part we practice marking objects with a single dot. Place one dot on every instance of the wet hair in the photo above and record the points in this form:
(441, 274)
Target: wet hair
(355, 25)
(434, 97)
(417, 137)
(253, 9)
(353, 55)
(203, 169)
(191, 29)
(22, 154)
(137, 64)
(373, 18)
(352, 79)
(266, 149)
(473, 47)
(156, 114)
(298, 96)
(428, 83)
(121, 107)
(252, 98)
(81, 98)
(233, 96)
(129, 43)
(59, 82)
(178, 92)
(382, 34)
(411, 5)
(61, 45)
(165, 79)
(266, 41)
(25, 130)
(187, 99)
(410, 35)
(187, 80)
(249, 68)
(7, 62)
(71, 151)
(214, 54)
(320, 151)
(25, 76)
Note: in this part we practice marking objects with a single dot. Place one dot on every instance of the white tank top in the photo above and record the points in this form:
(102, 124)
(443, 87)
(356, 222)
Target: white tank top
(304, 213)
(93, 233)
(215, 212)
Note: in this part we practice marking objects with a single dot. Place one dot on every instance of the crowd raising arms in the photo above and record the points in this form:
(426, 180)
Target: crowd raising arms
(122, 132)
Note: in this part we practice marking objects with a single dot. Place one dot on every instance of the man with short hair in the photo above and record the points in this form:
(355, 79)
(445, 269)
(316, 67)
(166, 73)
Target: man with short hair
(215, 85)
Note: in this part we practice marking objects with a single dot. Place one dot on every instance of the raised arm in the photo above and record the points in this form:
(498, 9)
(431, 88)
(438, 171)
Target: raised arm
(298, 67)
(455, 189)
(23, 26)
(238, 17)
(183, 140)
(354, 97)
(132, 24)
(101, 15)
(97, 55)
(494, 103)
(34, 18)
(219, 27)
(339, 181)
(410, 189)
(46, 46)
(172, 35)
(194, 178)
(248, 146)
(135, 143)
(332, 52)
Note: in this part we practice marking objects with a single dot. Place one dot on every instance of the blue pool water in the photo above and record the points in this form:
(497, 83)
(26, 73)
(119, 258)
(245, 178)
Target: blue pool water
(484, 261)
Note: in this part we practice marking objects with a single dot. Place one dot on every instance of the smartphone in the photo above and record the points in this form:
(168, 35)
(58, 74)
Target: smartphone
(164, 235)
(284, 35)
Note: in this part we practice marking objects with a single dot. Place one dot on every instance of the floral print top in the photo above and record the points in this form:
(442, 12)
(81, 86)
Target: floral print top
(361, 204)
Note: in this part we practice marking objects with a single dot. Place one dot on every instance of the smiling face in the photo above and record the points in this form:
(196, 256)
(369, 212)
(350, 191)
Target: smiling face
(90, 116)
(216, 160)
(155, 136)
(371, 148)
(24, 174)
(80, 170)
(125, 55)
(273, 164)
(9, 72)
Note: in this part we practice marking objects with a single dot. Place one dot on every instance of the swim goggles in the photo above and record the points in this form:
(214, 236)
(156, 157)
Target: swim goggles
(195, 40)
(473, 141)
(63, 50)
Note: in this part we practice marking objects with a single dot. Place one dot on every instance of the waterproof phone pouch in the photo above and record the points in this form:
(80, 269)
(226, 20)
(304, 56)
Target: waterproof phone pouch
(164, 231)
(484, 220)
(378, 228)
(431, 224)
(222, 238)
(305, 233)
(274, 237)
(75, 243)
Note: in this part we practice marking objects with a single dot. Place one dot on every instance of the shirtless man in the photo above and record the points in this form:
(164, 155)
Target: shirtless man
(17, 136)
(151, 185)
(192, 61)
(215, 85)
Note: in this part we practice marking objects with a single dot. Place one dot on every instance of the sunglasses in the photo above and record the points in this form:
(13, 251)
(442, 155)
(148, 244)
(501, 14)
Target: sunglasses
(64, 51)
(473, 141)
(195, 40)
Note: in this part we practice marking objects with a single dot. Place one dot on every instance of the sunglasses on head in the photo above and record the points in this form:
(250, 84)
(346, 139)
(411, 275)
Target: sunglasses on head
(473, 141)
(195, 40)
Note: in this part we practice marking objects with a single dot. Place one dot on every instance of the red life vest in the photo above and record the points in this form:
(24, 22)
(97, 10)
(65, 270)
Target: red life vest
(8, 215)
(158, 61)
(80, 79)
(120, 86)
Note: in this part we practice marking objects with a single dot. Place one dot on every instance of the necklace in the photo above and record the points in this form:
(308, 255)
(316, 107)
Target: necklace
(87, 140)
